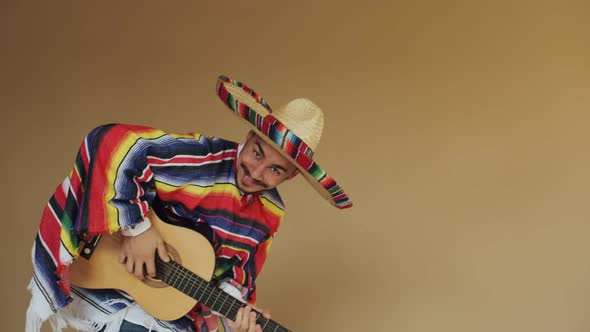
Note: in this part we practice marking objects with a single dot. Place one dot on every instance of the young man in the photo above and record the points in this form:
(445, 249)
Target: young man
(224, 190)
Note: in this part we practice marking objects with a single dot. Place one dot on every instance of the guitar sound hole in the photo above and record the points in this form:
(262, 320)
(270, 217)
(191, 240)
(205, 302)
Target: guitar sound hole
(156, 282)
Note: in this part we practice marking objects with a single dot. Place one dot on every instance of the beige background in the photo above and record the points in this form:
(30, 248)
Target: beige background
(459, 128)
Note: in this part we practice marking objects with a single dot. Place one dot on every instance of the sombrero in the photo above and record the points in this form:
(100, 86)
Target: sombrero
(293, 130)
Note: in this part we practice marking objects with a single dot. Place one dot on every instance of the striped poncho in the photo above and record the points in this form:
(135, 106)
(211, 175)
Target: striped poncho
(118, 173)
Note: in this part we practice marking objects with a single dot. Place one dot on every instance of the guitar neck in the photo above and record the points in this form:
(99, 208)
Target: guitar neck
(207, 293)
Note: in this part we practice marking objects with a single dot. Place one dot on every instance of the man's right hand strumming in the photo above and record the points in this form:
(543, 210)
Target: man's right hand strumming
(140, 250)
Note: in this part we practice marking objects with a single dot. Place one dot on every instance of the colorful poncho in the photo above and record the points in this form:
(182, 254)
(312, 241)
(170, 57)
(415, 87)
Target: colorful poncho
(119, 171)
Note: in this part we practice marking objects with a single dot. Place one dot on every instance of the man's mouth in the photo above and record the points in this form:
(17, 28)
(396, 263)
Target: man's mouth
(248, 180)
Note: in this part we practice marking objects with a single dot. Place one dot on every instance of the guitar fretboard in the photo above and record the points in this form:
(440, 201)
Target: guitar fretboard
(207, 293)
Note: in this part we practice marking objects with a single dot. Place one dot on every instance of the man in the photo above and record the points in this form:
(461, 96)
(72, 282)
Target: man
(222, 189)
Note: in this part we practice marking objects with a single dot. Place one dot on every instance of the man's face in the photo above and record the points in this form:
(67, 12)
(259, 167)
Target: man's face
(261, 167)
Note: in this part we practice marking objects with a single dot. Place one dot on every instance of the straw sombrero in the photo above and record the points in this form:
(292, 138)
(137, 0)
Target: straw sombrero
(294, 131)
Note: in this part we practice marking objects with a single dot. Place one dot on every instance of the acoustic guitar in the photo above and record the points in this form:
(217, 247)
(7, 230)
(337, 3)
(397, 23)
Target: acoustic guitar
(179, 284)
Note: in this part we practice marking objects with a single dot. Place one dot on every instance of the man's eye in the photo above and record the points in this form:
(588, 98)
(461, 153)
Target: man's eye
(276, 171)
(257, 154)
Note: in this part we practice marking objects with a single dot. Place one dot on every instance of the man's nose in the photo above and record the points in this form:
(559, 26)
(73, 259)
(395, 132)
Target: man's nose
(257, 171)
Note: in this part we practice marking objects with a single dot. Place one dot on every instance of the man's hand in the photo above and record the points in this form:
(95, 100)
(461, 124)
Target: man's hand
(246, 320)
(140, 250)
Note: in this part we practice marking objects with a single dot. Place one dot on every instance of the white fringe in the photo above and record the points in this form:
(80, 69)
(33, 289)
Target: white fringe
(113, 322)
(71, 315)
(78, 315)
(33, 321)
(38, 310)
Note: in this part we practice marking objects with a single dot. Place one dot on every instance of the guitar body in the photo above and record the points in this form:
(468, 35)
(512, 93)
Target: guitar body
(157, 298)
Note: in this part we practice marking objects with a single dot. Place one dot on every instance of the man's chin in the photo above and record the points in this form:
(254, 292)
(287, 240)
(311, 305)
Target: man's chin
(245, 189)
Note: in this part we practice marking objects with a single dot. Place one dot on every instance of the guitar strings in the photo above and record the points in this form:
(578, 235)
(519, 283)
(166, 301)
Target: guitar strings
(209, 290)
